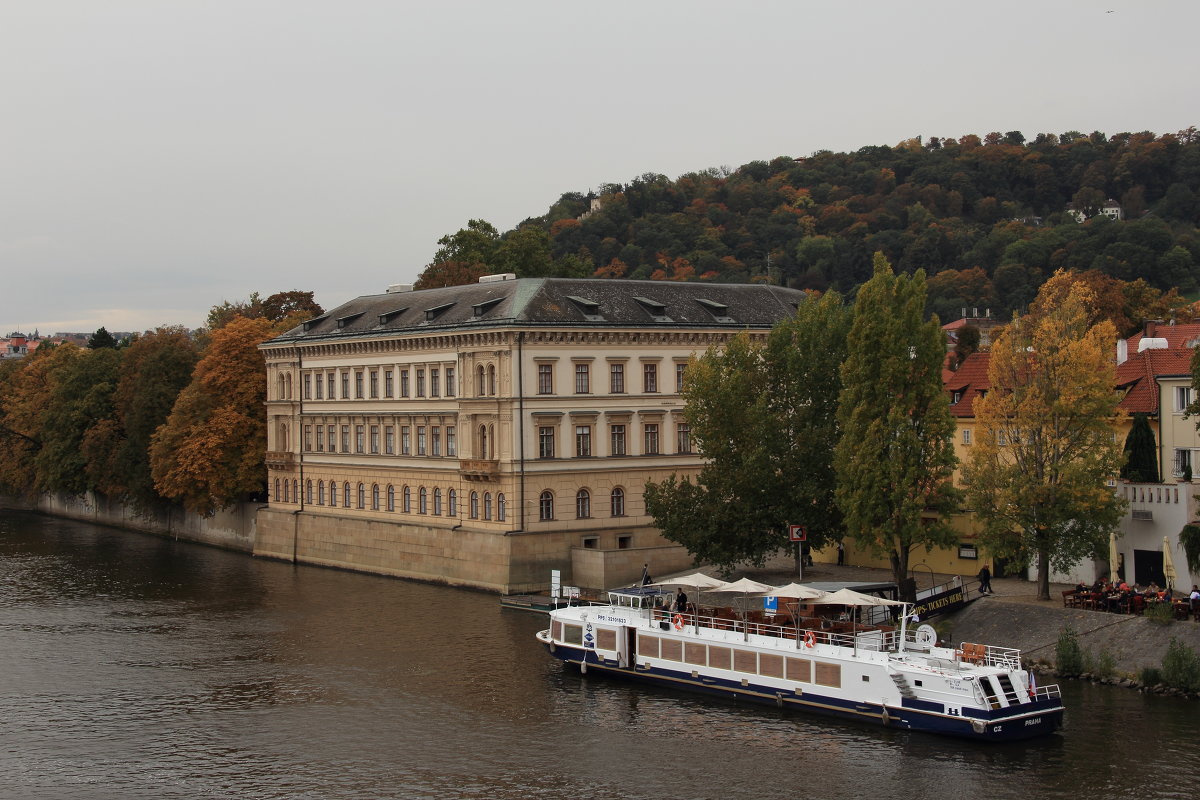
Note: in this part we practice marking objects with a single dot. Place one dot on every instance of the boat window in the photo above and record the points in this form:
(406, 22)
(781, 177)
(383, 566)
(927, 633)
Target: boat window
(799, 669)
(573, 634)
(694, 653)
(720, 657)
(606, 639)
(745, 661)
(648, 645)
(672, 650)
(556, 630)
(828, 675)
(770, 665)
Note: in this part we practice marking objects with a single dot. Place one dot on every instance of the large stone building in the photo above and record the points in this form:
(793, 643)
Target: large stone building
(485, 434)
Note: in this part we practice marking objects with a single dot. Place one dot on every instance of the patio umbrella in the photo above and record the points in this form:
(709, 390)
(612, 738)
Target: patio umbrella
(849, 597)
(1113, 557)
(1169, 564)
(745, 587)
(798, 591)
(697, 581)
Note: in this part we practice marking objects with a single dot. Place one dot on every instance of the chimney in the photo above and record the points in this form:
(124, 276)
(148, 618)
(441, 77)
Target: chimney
(1150, 327)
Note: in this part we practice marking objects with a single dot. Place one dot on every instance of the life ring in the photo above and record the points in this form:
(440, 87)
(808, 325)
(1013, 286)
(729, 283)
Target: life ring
(810, 639)
(677, 621)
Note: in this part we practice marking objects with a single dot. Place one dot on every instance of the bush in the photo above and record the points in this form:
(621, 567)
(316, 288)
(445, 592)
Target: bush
(1100, 666)
(1160, 613)
(1181, 667)
(1150, 676)
(1068, 655)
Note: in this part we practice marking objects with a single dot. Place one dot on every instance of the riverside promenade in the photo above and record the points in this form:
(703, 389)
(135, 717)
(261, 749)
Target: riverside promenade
(1013, 616)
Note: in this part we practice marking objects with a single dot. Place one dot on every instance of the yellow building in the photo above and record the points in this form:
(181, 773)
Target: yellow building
(486, 434)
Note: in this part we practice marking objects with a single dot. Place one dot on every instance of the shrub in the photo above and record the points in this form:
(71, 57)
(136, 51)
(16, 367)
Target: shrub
(1150, 676)
(1102, 665)
(1160, 613)
(1181, 667)
(1068, 655)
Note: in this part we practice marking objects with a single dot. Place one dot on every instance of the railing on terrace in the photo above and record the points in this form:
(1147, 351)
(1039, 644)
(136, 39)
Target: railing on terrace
(872, 639)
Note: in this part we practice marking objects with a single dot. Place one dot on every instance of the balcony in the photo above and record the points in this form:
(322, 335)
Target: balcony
(474, 469)
(281, 459)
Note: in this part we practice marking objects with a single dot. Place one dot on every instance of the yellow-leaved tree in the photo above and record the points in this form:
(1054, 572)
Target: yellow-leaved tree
(1037, 476)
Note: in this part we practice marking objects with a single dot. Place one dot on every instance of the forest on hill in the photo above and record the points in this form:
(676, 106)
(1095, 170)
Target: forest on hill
(989, 220)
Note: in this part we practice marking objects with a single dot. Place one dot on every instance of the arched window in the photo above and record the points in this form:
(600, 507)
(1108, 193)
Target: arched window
(437, 502)
(491, 379)
(500, 507)
(487, 505)
(483, 442)
(492, 440)
(278, 496)
(333, 494)
(374, 496)
(480, 386)
(452, 503)
(362, 496)
(282, 444)
(546, 506)
(474, 510)
(279, 387)
(289, 386)
(423, 501)
(320, 493)
(406, 501)
(287, 497)
(583, 504)
(391, 498)
(308, 491)
(346, 494)
(296, 490)
(618, 502)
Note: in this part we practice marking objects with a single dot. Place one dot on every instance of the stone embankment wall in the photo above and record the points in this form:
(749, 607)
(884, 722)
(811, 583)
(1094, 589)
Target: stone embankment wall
(232, 528)
(1134, 642)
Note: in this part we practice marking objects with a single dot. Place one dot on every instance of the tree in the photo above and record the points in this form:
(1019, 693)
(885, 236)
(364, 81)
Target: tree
(209, 453)
(1141, 453)
(1044, 451)
(101, 339)
(895, 459)
(765, 419)
(967, 343)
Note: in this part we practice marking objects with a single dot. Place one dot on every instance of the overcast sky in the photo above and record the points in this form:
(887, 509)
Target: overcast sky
(161, 156)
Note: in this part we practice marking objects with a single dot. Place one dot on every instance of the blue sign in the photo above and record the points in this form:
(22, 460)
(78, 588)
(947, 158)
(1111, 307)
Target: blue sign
(771, 604)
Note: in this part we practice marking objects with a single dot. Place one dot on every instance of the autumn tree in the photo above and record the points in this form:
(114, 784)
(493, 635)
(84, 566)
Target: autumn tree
(1044, 451)
(209, 453)
(895, 458)
(765, 419)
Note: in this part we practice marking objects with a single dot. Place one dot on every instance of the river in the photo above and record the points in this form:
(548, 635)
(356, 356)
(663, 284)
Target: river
(138, 667)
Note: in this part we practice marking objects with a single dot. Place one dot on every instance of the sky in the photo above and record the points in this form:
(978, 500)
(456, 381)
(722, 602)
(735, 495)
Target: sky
(159, 157)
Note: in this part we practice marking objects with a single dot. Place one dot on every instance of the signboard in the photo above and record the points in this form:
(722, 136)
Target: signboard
(770, 604)
(555, 578)
(797, 533)
(948, 600)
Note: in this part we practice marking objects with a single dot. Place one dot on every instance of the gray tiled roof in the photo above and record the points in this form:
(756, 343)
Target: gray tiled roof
(555, 302)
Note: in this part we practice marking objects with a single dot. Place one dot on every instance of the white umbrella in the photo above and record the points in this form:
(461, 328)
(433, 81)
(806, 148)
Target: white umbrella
(745, 587)
(849, 597)
(1169, 564)
(797, 590)
(698, 581)
(1114, 557)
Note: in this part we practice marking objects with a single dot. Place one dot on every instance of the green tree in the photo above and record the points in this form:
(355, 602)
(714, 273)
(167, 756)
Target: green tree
(1141, 453)
(765, 419)
(101, 339)
(1044, 451)
(895, 459)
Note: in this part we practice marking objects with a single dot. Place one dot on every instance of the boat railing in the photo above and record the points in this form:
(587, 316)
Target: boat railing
(989, 655)
(1050, 692)
(872, 639)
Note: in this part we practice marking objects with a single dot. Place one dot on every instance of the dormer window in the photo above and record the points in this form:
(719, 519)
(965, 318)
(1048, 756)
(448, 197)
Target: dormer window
(956, 399)
(309, 324)
(479, 309)
(388, 316)
(657, 310)
(433, 313)
(720, 311)
(589, 308)
(346, 320)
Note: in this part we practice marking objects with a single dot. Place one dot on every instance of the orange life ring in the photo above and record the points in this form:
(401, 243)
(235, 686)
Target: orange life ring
(677, 622)
(810, 639)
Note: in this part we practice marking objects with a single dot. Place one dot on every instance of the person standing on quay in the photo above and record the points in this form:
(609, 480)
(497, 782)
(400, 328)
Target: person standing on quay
(985, 580)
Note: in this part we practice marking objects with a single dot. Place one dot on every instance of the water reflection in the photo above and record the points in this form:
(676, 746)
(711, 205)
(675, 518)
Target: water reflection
(141, 667)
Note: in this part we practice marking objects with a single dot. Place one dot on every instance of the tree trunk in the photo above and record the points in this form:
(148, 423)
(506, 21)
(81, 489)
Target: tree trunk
(1043, 573)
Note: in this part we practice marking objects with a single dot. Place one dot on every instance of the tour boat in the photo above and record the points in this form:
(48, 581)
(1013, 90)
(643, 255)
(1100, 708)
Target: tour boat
(873, 668)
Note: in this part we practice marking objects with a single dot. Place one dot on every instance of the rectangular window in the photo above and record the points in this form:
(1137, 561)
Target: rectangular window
(387, 383)
(617, 439)
(308, 387)
(320, 438)
(405, 441)
(420, 383)
(583, 383)
(374, 383)
(451, 443)
(1183, 461)
(404, 383)
(358, 385)
(1183, 398)
(683, 434)
(649, 378)
(451, 389)
(389, 440)
(435, 386)
(680, 369)
(616, 378)
(332, 429)
(345, 385)
(345, 438)
(966, 435)
(375, 439)
(330, 382)
(320, 387)
(308, 438)
(545, 442)
(360, 439)
(420, 440)
(545, 379)
(435, 441)
(651, 438)
(583, 440)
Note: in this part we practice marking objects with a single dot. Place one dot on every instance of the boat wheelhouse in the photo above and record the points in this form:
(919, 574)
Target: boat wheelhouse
(843, 663)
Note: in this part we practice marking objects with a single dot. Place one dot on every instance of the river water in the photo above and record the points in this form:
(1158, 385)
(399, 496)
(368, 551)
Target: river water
(138, 667)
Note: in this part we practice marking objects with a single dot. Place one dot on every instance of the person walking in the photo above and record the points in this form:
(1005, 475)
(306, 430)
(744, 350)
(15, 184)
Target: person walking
(985, 580)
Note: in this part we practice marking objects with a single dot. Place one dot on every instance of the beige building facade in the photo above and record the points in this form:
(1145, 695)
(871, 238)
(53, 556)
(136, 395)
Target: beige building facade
(484, 435)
